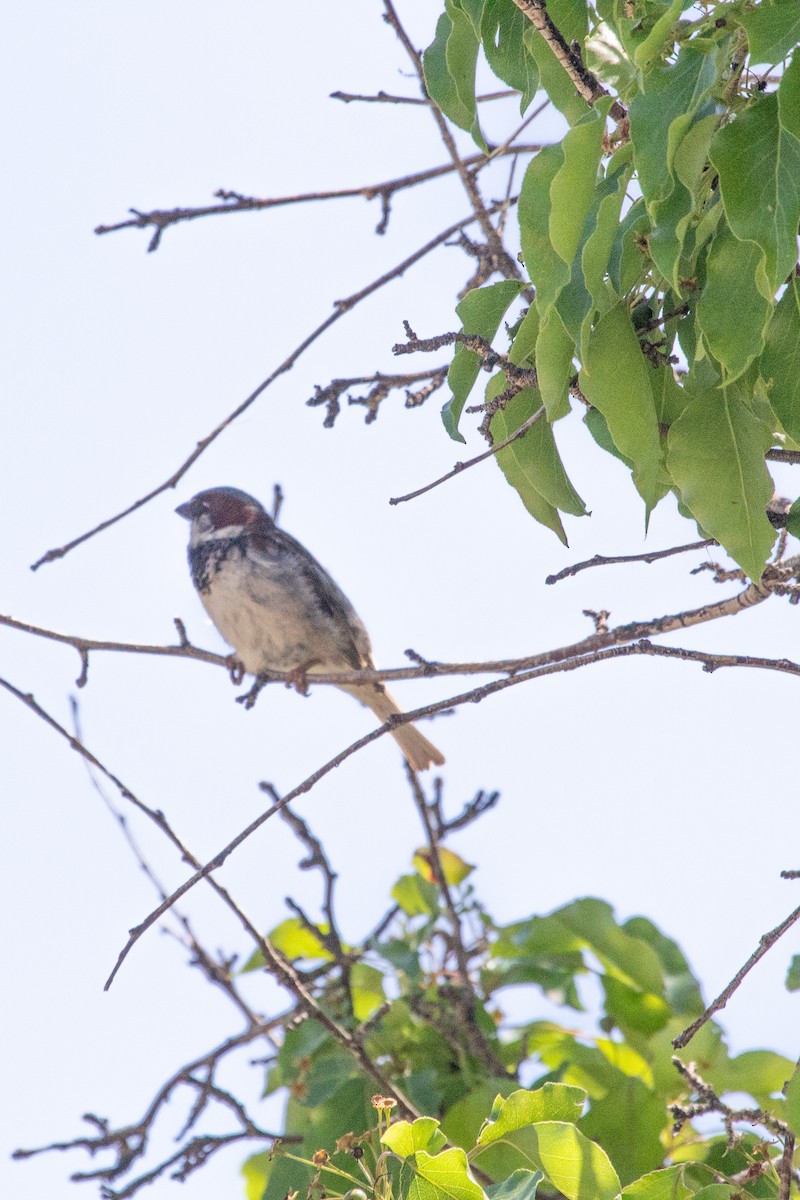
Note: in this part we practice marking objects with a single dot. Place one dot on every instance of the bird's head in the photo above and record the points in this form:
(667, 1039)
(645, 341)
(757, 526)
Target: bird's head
(223, 512)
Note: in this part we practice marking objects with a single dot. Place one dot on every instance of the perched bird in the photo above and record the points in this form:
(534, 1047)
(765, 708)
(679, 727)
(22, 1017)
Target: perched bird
(278, 608)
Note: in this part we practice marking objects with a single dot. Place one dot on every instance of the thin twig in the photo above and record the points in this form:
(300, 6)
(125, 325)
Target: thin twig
(502, 261)
(235, 202)
(341, 307)
(471, 462)
(465, 991)
(765, 942)
(597, 648)
(275, 962)
(601, 560)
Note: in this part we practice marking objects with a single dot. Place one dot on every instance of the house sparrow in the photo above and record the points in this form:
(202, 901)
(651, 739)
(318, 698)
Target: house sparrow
(279, 609)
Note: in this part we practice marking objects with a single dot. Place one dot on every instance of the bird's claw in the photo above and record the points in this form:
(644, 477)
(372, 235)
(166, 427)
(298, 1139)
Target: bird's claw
(248, 699)
(235, 669)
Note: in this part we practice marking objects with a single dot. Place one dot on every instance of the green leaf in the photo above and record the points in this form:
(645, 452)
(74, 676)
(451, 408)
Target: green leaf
(628, 1122)
(719, 1191)
(615, 378)
(415, 896)
(758, 160)
(545, 267)
(793, 974)
(535, 455)
(732, 312)
(607, 58)
(255, 1170)
(551, 1102)
(672, 218)
(659, 1185)
(520, 1185)
(554, 352)
(481, 312)
(680, 986)
(366, 989)
(627, 958)
(405, 1139)
(573, 187)
(523, 348)
(633, 1009)
(662, 114)
(443, 1176)
(295, 941)
(652, 45)
(580, 1169)
(454, 868)
(598, 247)
(503, 26)
(449, 67)
(521, 473)
(715, 454)
(780, 362)
(760, 1073)
(793, 1101)
(772, 32)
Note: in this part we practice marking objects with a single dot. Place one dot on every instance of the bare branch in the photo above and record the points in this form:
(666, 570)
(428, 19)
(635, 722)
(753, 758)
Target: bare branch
(234, 202)
(765, 942)
(569, 56)
(464, 993)
(471, 462)
(501, 260)
(341, 307)
(601, 560)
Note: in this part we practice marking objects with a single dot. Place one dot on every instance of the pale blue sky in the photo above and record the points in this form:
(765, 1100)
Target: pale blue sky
(650, 784)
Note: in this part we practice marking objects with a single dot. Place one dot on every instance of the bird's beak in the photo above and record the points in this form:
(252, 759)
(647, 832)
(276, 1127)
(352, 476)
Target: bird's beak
(186, 510)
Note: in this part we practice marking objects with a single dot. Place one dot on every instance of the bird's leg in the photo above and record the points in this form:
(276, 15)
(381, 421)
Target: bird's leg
(248, 699)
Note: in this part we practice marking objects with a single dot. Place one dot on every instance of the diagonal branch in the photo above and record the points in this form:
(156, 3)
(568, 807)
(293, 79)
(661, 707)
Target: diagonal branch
(279, 966)
(765, 943)
(586, 84)
(341, 307)
(234, 202)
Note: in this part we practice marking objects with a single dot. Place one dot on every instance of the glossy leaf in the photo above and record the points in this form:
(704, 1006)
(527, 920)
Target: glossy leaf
(551, 1102)
(406, 1138)
(443, 1176)
(577, 1167)
(520, 1185)
(659, 1185)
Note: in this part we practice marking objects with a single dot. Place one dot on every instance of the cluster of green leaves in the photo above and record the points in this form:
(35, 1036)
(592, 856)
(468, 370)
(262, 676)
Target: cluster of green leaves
(668, 238)
(594, 1121)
